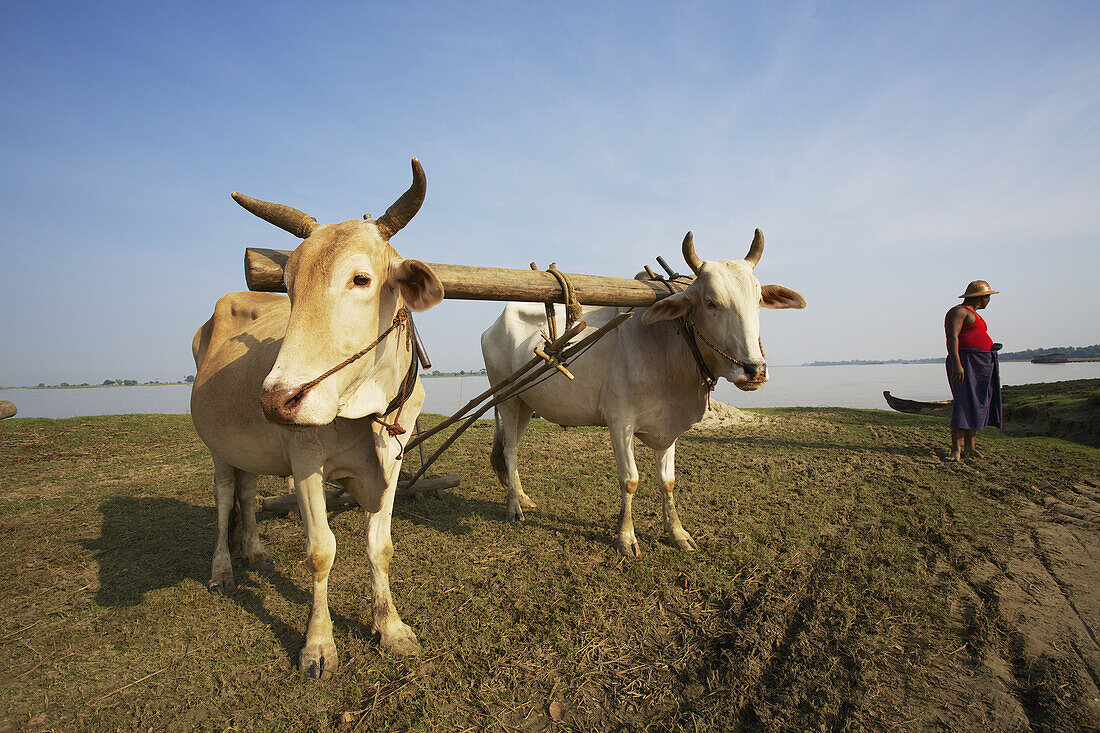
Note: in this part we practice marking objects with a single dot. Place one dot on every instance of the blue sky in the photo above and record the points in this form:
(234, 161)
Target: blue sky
(890, 152)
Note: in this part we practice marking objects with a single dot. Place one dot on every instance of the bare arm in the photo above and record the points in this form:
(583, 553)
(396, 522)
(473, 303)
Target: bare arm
(952, 325)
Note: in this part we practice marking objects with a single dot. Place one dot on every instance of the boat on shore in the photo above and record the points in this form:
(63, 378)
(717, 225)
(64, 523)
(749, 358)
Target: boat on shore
(1050, 359)
(915, 407)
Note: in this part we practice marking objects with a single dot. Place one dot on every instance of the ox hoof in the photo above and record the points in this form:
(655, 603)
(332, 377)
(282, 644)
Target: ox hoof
(514, 513)
(628, 546)
(318, 663)
(684, 542)
(404, 646)
(222, 586)
(263, 563)
(526, 502)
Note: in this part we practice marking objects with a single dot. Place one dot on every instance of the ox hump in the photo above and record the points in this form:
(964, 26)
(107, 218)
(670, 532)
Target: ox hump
(242, 308)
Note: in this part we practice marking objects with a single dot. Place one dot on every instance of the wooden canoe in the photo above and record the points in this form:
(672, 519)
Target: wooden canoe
(936, 407)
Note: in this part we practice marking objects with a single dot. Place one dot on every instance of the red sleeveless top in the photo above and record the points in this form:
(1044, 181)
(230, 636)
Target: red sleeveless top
(976, 335)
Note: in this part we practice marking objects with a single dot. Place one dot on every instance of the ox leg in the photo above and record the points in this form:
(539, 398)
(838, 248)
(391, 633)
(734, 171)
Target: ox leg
(221, 568)
(396, 636)
(514, 417)
(622, 442)
(318, 658)
(666, 478)
(250, 543)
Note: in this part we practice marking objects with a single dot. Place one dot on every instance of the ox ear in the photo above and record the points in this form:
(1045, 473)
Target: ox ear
(777, 296)
(668, 308)
(420, 288)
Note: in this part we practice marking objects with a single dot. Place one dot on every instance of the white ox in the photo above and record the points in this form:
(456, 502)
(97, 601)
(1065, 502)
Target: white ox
(258, 405)
(641, 379)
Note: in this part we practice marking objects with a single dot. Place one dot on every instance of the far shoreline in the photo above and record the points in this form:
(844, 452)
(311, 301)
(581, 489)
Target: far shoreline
(481, 373)
(104, 386)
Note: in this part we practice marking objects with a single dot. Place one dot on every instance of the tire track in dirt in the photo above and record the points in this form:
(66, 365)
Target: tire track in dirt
(756, 650)
(1041, 612)
(988, 678)
(1021, 620)
(1067, 590)
(772, 685)
(765, 639)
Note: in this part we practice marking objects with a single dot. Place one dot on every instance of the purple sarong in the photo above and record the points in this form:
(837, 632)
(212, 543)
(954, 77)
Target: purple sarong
(977, 398)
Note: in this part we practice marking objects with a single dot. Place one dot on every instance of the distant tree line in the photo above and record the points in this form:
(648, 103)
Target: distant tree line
(1070, 352)
(189, 379)
(462, 373)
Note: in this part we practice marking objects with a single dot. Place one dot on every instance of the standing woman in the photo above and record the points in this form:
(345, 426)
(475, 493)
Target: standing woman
(972, 370)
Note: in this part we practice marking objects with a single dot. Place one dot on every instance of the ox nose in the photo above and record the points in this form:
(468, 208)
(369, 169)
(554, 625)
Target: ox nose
(756, 371)
(280, 404)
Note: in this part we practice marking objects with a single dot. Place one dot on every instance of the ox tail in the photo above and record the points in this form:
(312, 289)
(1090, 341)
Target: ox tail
(496, 458)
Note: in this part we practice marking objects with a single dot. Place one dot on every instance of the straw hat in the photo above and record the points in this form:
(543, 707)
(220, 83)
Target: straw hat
(977, 289)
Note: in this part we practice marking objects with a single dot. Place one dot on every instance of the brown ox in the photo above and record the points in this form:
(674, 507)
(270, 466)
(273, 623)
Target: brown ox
(314, 386)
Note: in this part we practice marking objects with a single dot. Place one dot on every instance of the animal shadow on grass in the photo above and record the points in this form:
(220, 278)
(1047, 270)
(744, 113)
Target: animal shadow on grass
(449, 512)
(150, 543)
(444, 513)
(576, 525)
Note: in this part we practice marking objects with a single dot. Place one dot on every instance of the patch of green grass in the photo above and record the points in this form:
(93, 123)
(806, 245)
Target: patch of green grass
(1068, 410)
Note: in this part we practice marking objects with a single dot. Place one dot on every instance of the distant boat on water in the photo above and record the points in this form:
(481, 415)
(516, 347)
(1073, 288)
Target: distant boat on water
(1050, 359)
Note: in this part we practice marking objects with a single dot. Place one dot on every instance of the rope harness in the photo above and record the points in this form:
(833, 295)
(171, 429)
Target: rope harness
(573, 309)
(402, 321)
(573, 312)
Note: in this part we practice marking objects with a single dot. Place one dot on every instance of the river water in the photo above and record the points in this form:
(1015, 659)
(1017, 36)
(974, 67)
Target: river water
(793, 386)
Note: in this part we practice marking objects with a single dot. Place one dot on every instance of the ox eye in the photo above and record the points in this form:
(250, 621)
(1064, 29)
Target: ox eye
(710, 303)
(361, 281)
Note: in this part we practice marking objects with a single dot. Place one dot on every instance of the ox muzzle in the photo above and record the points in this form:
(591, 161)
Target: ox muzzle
(756, 374)
(281, 404)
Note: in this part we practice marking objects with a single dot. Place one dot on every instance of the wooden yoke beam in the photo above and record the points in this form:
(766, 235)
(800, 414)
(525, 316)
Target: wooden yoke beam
(263, 270)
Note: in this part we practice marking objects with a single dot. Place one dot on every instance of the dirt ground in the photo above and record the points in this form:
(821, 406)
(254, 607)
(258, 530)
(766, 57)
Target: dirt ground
(1043, 599)
(848, 578)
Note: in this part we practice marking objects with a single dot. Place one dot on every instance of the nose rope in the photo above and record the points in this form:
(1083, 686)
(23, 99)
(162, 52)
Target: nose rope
(690, 321)
(400, 320)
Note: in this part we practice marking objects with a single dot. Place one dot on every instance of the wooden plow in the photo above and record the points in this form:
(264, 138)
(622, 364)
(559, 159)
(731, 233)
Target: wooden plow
(264, 272)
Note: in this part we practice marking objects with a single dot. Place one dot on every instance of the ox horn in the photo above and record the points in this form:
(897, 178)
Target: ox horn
(285, 217)
(689, 254)
(405, 208)
(756, 249)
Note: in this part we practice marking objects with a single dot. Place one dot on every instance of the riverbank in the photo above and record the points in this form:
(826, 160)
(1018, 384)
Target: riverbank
(847, 577)
(1066, 410)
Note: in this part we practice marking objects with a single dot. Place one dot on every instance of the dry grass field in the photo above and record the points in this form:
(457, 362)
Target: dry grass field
(847, 579)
